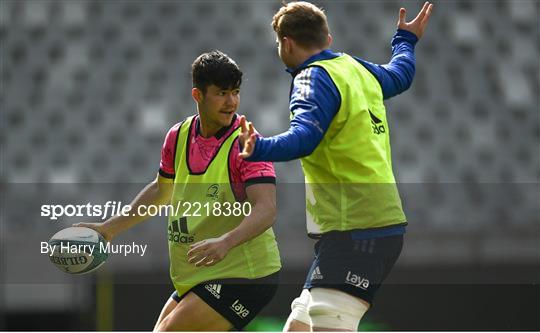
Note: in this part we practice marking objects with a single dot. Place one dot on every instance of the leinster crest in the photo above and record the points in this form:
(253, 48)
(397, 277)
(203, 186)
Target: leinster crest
(213, 192)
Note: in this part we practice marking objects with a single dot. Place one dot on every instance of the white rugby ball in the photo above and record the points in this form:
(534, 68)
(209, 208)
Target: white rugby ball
(78, 250)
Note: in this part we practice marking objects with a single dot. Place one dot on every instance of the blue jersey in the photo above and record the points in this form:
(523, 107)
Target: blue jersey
(315, 100)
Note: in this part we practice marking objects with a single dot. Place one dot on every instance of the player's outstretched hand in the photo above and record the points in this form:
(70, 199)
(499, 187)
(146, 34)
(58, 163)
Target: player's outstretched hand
(208, 252)
(99, 227)
(247, 137)
(418, 25)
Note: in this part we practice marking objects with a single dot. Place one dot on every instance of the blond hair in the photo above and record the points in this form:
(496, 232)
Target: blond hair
(304, 22)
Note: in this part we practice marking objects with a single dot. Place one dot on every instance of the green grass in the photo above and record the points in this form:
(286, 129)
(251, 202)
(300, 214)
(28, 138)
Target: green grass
(271, 324)
(265, 324)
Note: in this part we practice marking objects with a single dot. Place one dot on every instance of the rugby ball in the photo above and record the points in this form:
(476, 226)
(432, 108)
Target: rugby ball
(78, 250)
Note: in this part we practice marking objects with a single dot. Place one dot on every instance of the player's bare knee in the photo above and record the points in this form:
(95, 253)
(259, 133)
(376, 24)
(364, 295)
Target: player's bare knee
(330, 308)
(171, 323)
(299, 318)
(166, 325)
(296, 326)
(156, 326)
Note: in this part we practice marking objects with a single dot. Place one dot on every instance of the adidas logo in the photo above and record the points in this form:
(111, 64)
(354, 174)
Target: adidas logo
(316, 274)
(178, 232)
(376, 124)
(214, 289)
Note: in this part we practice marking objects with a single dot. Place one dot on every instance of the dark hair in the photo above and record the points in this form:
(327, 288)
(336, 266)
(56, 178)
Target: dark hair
(215, 68)
(304, 22)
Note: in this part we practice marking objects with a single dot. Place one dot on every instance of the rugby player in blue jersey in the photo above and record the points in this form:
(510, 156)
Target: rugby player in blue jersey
(340, 133)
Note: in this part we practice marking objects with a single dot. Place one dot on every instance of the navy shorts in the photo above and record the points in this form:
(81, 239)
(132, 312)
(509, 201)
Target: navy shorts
(238, 300)
(354, 266)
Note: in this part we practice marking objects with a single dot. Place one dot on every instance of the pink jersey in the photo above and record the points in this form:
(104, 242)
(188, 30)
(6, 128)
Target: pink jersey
(202, 151)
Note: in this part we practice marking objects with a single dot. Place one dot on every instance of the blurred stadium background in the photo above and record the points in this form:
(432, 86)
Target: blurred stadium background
(88, 90)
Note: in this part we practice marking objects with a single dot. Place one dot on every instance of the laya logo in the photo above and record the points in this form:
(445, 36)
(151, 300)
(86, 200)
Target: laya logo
(357, 281)
(213, 192)
(376, 124)
(214, 289)
(239, 309)
(178, 232)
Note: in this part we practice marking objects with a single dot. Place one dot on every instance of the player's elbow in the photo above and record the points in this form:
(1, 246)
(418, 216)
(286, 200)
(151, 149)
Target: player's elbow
(272, 213)
(408, 75)
(308, 147)
(307, 151)
(160, 192)
(269, 210)
(408, 80)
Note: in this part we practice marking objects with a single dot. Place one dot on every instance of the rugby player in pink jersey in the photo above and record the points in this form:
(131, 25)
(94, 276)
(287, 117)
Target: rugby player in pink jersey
(224, 265)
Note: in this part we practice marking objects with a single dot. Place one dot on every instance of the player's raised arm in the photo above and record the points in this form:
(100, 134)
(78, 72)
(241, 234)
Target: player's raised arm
(419, 24)
(158, 192)
(397, 75)
(263, 215)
